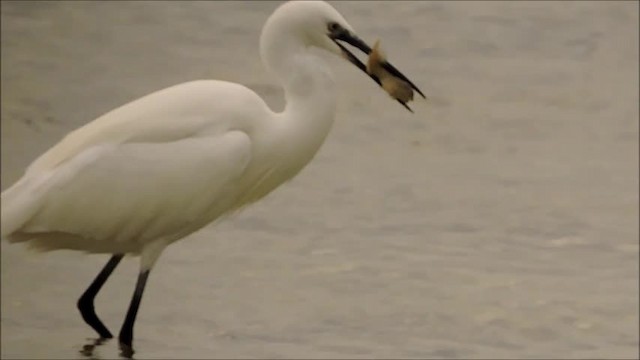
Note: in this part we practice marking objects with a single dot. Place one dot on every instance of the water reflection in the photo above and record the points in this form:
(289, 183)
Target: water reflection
(88, 349)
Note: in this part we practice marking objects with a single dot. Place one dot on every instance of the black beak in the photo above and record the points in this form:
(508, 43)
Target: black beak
(351, 39)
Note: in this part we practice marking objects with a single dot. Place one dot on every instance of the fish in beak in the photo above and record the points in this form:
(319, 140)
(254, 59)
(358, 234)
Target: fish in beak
(378, 68)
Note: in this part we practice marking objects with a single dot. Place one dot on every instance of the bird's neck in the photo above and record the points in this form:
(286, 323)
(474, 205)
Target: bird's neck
(310, 100)
(309, 87)
(309, 84)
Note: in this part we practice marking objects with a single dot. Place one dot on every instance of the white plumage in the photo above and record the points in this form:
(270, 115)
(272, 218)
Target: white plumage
(155, 169)
(161, 167)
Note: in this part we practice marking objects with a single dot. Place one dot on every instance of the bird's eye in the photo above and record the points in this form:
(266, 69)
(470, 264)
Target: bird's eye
(334, 26)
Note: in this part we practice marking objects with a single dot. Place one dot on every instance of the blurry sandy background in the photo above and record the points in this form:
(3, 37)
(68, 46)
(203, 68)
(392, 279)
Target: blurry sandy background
(501, 220)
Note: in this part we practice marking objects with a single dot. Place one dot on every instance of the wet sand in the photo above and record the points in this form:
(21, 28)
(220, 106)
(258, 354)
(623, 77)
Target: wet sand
(498, 221)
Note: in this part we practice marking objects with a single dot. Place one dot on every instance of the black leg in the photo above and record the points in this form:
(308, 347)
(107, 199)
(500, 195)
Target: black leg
(85, 303)
(126, 333)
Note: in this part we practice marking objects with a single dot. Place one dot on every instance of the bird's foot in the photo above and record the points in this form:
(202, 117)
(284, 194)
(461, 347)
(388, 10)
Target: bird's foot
(126, 351)
(126, 343)
(88, 349)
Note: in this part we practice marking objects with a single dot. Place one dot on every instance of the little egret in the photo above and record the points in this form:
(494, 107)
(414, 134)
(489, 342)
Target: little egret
(161, 167)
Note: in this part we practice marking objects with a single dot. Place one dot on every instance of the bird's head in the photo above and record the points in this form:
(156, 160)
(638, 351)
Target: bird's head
(318, 24)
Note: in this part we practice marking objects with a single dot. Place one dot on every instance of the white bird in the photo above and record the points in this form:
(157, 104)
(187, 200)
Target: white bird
(159, 168)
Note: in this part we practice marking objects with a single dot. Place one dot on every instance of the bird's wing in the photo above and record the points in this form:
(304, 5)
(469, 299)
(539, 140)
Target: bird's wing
(178, 112)
(134, 191)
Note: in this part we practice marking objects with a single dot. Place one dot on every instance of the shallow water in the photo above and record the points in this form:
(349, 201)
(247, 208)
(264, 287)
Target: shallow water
(500, 220)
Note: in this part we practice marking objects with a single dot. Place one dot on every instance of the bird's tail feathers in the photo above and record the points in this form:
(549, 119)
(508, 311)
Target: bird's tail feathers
(18, 204)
